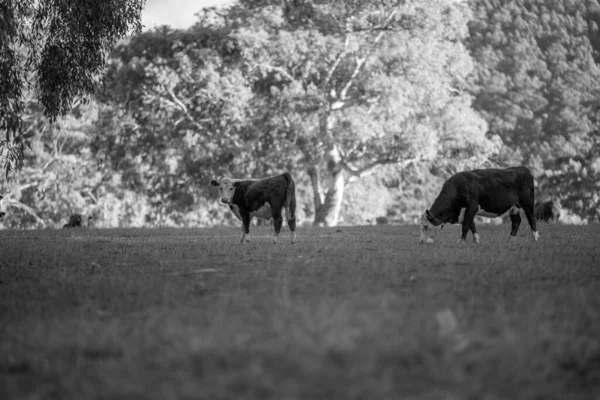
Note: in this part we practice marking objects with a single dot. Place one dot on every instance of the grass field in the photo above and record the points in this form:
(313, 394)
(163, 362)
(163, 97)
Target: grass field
(348, 313)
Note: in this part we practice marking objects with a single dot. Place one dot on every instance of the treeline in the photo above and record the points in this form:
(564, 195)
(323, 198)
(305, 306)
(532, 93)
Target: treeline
(370, 105)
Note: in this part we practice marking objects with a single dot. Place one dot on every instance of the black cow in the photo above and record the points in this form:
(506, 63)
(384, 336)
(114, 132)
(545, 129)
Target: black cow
(262, 198)
(486, 192)
(74, 221)
(2, 212)
(548, 211)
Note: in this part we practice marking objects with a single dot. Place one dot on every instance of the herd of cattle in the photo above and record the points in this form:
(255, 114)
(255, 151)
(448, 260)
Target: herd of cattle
(485, 192)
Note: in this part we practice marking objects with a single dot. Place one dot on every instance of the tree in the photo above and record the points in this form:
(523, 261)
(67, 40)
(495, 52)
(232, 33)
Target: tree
(537, 85)
(346, 87)
(58, 49)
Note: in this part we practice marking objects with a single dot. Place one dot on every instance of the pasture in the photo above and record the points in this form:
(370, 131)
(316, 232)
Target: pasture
(345, 313)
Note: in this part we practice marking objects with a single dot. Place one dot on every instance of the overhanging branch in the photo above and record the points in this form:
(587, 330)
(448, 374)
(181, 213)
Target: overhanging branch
(370, 167)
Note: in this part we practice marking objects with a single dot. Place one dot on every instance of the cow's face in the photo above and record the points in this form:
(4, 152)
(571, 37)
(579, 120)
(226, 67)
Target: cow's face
(2, 212)
(428, 225)
(226, 189)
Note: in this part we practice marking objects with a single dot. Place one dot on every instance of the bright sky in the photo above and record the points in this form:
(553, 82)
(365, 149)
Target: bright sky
(176, 13)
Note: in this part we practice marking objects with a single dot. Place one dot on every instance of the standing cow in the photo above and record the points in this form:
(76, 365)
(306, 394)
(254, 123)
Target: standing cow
(485, 192)
(261, 198)
(548, 211)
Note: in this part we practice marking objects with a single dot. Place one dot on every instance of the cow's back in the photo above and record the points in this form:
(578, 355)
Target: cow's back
(495, 190)
(254, 193)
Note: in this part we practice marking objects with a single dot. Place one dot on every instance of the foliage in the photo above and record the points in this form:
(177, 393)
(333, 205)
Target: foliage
(537, 85)
(330, 91)
(57, 48)
(348, 87)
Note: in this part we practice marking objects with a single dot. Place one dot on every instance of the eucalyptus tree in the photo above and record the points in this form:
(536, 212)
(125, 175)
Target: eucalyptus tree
(344, 87)
(57, 49)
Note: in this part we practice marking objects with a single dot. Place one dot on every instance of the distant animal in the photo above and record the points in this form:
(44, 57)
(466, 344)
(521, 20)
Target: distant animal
(486, 192)
(381, 220)
(548, 211)
(261, 198)
(2, 212)
(74, 221)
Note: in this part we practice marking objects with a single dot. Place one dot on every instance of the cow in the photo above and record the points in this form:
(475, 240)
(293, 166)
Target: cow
(74, 221)
(2, 212)
(548, 211)
(486, 192)
(261, 198)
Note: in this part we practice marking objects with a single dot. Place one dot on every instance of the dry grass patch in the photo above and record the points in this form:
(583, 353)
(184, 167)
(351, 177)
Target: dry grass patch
(356, 313)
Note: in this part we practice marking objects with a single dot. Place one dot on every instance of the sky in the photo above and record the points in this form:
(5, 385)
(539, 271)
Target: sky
(176, 13)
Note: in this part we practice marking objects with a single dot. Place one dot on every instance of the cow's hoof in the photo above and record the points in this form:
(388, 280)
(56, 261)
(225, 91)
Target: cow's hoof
(462, 241)
(426, 240)
(275, 241)
(536, 236)
(476, 238)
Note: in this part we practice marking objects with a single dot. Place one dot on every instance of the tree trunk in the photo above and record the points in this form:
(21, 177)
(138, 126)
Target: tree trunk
(328, 213)
(315, 181)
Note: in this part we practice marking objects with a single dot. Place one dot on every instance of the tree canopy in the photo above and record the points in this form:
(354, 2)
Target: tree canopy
(537, 85)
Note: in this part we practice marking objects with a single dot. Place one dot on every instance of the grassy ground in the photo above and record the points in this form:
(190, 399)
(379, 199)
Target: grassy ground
(355, 313)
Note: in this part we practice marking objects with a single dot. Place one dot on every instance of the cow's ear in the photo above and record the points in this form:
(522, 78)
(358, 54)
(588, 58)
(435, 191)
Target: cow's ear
(236, 184)
(214, 183)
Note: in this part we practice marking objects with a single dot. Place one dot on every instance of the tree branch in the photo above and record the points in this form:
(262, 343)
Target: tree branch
(27, 209)
(370, 167)
(336, 63)
(360, 62)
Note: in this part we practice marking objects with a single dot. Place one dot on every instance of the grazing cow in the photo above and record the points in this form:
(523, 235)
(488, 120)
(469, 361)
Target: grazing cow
(486, 192)
(2, 212)
(74, 221)
(548, 211)
(261, 198)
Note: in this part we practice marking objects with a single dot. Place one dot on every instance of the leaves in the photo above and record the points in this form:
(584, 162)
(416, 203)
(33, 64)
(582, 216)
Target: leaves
(537, 85)
(60, 48)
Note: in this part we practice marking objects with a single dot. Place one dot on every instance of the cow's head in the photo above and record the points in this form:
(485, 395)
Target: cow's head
(429, 223)
(2, 212)
(226, 189)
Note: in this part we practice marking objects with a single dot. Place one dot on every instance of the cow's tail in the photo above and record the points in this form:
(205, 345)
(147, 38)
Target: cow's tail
(290, 197)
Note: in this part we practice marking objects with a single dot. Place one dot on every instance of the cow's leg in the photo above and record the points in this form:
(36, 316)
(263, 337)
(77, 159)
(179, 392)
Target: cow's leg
(291, 221)
(277, 222)
(243, 235)
(515, 219)
(530, 215)
(468, 221)
(245, 227)
(474, 231)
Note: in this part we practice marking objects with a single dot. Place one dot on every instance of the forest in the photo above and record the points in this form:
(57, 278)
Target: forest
(370, 105)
